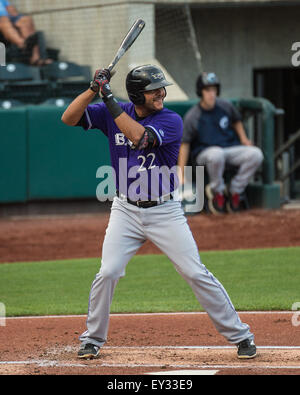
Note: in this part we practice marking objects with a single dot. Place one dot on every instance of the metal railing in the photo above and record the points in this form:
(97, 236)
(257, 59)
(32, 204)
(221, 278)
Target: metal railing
(287, 165)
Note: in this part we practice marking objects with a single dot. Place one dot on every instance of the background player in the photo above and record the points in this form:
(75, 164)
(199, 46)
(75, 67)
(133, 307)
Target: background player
(214, 135)
(152, 136)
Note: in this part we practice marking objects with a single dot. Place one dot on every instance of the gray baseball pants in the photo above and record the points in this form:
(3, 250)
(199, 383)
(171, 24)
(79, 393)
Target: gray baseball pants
(166, 226)
(246, 158)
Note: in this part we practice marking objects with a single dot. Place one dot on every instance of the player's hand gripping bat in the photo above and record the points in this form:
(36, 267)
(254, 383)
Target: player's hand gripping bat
(103, 76)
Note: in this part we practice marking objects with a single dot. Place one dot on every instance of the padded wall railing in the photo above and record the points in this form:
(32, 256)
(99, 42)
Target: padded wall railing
(42, 158)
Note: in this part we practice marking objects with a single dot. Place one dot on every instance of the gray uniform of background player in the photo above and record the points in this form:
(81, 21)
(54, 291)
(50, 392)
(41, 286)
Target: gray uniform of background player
(225, 149)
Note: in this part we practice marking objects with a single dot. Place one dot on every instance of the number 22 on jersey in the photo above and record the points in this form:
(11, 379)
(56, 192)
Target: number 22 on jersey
(144, 159)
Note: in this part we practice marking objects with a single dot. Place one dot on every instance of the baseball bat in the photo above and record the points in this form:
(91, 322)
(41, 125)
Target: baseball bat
(128, 40)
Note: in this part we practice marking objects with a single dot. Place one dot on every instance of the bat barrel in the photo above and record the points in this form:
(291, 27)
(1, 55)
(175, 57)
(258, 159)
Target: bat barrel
(128, 40)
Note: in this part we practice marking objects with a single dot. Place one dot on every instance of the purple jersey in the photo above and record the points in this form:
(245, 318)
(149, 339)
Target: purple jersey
(140, 174)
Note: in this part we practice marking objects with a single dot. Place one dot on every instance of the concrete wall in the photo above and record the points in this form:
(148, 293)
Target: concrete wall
(91, 32)
(232, 40)
(235, 41)
(88, 33)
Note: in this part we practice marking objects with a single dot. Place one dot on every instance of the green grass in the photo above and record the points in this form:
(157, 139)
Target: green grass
(259, 279)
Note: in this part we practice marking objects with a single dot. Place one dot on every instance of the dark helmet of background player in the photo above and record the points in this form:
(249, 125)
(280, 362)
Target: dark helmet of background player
(207, 79)
(142, 79)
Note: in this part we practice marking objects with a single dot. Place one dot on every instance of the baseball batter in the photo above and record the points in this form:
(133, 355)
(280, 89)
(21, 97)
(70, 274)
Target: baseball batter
(146, 137)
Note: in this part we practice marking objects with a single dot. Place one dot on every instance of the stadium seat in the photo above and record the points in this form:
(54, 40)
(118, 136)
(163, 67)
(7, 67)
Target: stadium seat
(7, 104)
(66, 70)
(67, 79)
(22, 82)
(57, 101)
(19, 72)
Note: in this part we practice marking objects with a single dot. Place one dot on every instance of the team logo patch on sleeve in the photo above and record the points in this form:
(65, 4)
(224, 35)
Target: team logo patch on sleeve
(224, 122)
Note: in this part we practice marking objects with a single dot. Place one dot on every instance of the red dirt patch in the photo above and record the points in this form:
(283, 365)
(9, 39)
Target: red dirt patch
(145, 343)
(49, 345)
(75, 236)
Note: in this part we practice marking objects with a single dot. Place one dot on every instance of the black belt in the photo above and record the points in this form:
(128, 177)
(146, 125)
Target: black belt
(146, 203)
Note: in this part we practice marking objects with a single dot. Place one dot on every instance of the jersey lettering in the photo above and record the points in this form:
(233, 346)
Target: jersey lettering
(120, 139)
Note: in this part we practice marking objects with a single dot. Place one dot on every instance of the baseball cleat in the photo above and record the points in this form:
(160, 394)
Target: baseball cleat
(246, 349)
(215, 201)
(233, 202)
(88, 351)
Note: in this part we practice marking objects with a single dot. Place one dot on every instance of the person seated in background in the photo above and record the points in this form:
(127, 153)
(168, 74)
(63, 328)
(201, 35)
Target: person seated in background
(19, 29)
(214, 135)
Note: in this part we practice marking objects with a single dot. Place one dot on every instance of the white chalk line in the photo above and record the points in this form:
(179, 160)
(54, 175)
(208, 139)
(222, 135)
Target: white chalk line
(143, 314)
(56, 363)
(51, 363)
(200, 347)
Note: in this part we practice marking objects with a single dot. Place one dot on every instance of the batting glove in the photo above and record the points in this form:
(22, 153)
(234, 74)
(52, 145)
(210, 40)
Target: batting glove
(100, 84)
(101, 78)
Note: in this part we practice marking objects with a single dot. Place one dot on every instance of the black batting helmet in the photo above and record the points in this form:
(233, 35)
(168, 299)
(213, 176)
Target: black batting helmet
(207, 79)
(142, 79)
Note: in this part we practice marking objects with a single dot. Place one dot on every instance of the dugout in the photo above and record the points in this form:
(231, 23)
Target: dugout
(259, 118)
(281, 85)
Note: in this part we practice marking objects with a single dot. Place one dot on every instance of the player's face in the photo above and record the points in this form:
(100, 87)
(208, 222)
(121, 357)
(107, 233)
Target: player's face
(154, 100)
(209, 95)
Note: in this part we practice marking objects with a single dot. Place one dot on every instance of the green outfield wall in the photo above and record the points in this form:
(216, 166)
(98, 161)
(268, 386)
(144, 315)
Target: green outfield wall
(13, 155)
(62, 160)
(41, 158)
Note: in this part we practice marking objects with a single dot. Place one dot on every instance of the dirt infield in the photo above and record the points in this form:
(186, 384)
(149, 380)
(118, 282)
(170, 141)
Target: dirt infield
(81, 236)
(139, 344)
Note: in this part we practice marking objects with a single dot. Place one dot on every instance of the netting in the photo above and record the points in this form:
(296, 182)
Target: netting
(79, 38)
